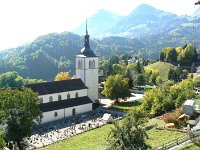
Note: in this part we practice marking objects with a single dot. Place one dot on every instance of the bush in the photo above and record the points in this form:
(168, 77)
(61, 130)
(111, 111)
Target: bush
(173, 117)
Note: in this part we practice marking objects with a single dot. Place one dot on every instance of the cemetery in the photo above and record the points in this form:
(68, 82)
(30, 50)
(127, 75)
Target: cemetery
(50, 133)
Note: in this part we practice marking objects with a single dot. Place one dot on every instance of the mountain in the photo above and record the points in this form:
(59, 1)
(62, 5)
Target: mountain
(99, 23)
(145, 23)
(147, 20)
(49, 54)
(5, 52)
(144, 33)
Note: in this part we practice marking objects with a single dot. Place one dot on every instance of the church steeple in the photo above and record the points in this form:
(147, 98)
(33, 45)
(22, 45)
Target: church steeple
(86, 38)
(87, 51)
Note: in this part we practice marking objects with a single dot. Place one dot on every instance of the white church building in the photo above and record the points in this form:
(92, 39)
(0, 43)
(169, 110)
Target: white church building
(60, 99)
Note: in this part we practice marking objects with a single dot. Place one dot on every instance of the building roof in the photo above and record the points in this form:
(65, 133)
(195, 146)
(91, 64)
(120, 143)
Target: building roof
(87, 51)
(45, 88)
(189, 102)
(65, 103)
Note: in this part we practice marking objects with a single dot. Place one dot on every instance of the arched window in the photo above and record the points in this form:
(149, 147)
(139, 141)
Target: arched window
(41, 100)
(68, 96)
(50, 99)
(76, 95)
(59, 97)
(80, 64)
(55, 114)
(93, 64)
(73, 111)
(90, 64)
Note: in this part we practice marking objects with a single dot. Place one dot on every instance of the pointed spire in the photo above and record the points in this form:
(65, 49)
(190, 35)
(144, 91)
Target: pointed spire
(86, 27)
(86, 43)
(86, 51)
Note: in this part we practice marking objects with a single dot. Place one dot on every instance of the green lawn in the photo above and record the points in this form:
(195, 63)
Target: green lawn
(91, 140)
(126, 106)
(96, 139)
(159, 137)
(163, 69)
(197, 101)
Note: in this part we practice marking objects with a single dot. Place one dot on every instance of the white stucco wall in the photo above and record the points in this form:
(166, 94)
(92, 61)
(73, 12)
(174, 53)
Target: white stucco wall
(81, 93)
(49, 116)
(79, 109)
(89, 75)
(67, 112)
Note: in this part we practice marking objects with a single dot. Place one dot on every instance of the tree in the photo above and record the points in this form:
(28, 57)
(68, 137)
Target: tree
(193, 68)
(138, 67)
(114, 60)
(131, 73)
(175, 74)
(159, 80)
(162, 56)
(10, 79)
(116, 87)
(2, 142)
(129, 133)
(104, 66)
(19, 109)
(62, 76)
(118, 69)
(169, 53)
(139, 80)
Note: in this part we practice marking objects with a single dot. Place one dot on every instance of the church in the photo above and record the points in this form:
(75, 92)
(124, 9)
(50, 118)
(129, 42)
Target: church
(60, 99)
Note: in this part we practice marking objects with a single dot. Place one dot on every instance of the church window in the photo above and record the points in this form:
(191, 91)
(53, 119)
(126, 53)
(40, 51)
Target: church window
(76, 95)
(55, 114)
(68, 96)
(50, 99)
(90, 64)
(93, 64)
(59, 97)
(73, 111)
(80, 64)
(41, 100)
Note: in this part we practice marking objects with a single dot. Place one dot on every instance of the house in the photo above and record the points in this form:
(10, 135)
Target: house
(60, 99)
(188, 107)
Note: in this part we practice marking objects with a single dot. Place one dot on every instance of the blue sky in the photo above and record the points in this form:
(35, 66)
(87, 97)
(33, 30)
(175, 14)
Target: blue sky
(24, 20)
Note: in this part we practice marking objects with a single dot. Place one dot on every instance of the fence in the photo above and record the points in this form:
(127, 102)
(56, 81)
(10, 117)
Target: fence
(178, 141)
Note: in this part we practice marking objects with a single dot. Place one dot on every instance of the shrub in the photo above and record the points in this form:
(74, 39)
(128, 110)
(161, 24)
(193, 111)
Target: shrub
(173, 117)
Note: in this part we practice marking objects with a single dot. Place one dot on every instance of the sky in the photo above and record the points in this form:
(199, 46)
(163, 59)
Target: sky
(22, 21)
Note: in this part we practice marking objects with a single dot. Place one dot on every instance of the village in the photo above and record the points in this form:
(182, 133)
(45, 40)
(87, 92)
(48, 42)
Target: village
(123, 100)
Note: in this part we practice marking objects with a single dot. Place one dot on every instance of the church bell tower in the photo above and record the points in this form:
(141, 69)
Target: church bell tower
(87, 68)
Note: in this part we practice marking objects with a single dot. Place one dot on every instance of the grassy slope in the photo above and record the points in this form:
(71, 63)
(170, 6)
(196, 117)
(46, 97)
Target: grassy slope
(91, 140)
(163, 68)
(96, 139)
(126, 106)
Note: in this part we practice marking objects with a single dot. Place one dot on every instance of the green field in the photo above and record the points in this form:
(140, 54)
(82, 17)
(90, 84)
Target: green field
(197, 101)
(163, 69)
(96, 139)
(126, 106)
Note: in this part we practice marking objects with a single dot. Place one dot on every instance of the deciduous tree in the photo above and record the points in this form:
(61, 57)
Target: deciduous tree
(62, 76)
(19, 109)
(2, 142)
(129, 133)
(116, 87)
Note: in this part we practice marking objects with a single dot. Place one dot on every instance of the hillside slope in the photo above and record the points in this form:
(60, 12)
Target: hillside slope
(163, 69)
(49, 54)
